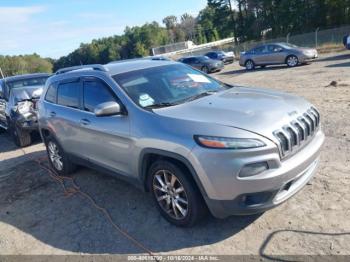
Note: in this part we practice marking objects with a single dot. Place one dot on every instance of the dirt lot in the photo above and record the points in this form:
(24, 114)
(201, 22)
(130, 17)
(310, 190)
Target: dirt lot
(37, 218)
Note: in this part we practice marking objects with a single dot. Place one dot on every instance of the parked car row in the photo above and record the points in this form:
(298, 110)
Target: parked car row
(259, 56)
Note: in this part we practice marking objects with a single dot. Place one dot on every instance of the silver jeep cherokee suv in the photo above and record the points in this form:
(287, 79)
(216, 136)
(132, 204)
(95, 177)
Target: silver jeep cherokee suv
(191, 140)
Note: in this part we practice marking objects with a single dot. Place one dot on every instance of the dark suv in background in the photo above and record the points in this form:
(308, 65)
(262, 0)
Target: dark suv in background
(18, 111)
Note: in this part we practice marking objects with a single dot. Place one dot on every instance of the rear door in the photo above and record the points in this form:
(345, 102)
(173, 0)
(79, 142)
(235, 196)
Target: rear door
(64, 113)
(105, 140)
(260, 55)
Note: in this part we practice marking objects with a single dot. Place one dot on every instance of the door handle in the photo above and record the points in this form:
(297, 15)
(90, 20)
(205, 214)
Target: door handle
(84, 122)
(52, 114)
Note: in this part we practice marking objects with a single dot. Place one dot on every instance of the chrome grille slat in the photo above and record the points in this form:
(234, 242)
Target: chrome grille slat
(292, 136)
(296, 134)
(316, 117)
(289, 139)
(311, 122)
(300, 130)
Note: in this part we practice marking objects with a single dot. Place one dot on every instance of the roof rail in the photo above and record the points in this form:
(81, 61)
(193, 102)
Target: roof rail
(152, 58)
(73, 68)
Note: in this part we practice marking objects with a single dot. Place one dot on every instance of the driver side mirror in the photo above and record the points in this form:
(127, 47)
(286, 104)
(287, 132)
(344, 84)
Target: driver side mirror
(108, 109)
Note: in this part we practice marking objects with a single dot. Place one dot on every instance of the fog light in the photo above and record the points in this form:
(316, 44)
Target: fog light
(253, 169)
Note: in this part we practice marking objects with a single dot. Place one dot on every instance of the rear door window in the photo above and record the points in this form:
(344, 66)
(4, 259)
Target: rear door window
(260, 50)
(96, 92)
(68, 94)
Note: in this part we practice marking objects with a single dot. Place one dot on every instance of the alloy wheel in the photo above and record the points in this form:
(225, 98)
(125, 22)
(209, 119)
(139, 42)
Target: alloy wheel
(55, 157)
(249, 65)
(170, 194)
(292, 61)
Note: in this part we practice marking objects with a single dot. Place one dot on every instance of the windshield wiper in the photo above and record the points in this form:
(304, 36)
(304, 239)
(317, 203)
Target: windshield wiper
(207, 93)
(159, 105)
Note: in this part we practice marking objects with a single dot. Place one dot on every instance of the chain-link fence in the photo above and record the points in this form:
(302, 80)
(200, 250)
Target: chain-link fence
(318, 39)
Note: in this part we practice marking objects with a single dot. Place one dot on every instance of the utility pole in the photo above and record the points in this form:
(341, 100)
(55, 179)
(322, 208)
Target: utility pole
(233, 22)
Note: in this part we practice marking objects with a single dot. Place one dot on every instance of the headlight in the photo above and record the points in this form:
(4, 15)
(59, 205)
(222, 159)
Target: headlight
(37, 93)
(24, 107)
(228, 143)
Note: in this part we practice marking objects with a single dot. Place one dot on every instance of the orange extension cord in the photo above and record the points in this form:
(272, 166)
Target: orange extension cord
(76, 190)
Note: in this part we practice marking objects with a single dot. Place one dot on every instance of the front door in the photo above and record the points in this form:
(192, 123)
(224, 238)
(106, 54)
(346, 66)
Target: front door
(106, 140)
(277, 55)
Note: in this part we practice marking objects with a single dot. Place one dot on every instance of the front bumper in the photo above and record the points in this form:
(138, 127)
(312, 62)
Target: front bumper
(307, 58)
(228, 194)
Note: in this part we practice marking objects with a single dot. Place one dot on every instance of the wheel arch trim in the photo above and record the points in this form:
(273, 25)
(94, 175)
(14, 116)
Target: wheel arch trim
(142, 171)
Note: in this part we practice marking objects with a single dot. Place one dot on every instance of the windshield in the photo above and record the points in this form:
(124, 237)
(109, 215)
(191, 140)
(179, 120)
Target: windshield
(37, 81)
(171, 84)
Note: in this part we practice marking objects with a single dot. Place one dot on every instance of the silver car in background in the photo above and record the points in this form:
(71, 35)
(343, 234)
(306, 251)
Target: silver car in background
(276, 54)
(194, 142)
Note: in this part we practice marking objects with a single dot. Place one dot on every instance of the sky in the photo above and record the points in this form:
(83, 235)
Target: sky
(55, 28)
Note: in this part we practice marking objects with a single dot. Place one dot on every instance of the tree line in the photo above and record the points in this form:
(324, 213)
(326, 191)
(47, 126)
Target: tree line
(242, 19)
(25, 64)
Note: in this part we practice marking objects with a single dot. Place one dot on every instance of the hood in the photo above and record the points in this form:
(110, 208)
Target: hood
(260, 111)
(307, 50)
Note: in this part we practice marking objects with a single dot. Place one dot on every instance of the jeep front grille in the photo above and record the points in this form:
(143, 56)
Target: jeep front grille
(294, 135)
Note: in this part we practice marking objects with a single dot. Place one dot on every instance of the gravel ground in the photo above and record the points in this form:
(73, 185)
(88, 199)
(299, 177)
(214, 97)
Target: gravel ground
(36, 217)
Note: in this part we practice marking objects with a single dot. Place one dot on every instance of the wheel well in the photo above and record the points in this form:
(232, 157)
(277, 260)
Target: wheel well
(150, 158)
(45, 133)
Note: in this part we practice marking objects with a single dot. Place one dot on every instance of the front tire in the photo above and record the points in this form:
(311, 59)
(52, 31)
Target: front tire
(20, 137)
(58, 159)
(292, 61)
(175, 194)
(249, 65)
